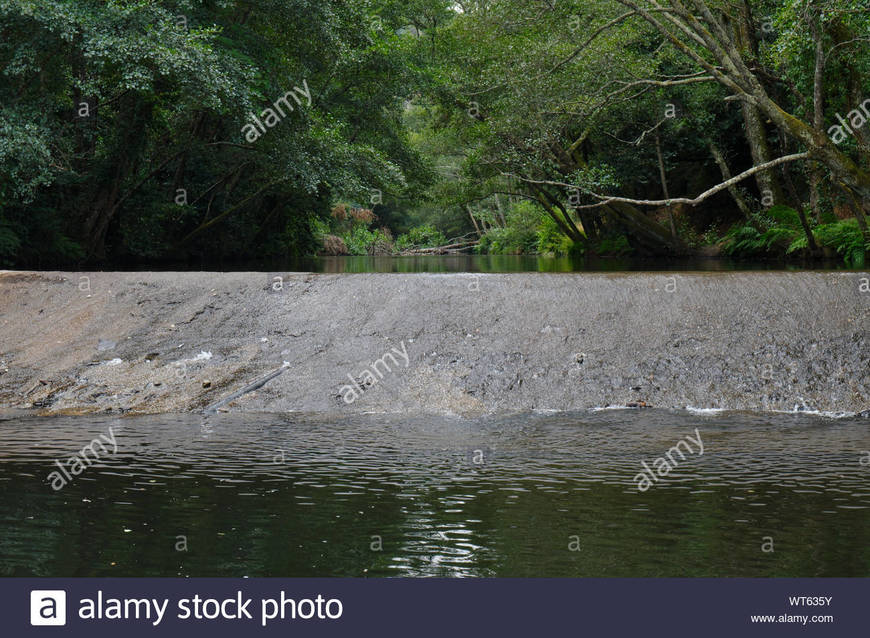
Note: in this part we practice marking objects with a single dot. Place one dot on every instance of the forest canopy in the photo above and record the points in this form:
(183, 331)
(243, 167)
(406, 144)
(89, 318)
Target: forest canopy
(203, 132)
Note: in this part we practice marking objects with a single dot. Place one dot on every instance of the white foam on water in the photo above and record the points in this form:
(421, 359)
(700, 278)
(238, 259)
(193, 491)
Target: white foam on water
(828, 414)
(695, 410)
(824, 413)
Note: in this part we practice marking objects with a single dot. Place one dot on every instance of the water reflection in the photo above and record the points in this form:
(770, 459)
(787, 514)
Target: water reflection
(498, 263)
(385, 496)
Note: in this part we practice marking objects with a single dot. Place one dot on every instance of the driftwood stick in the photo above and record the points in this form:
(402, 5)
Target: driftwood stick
(259, 383)
(435, 250)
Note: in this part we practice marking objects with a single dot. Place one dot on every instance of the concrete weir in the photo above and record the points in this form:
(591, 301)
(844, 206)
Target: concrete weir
(430, 343)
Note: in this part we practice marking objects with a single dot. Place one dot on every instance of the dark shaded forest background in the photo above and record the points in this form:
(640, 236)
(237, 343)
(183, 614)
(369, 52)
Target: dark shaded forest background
(495, 126)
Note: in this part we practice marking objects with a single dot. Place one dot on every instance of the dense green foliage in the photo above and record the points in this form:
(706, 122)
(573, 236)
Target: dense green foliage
(135, 132)
(425, 236)
(121, 129)
(779, 230)
(571, 102)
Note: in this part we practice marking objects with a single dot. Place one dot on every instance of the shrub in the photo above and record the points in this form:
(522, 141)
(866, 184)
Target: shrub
(614, 245)
(551, 240)
(425, 236)
(362, 241)
(319, 229)
(779, 230)
(508, 241)
(774, 230)
(333, 245)
(520, 235)
(844, 236)
(342, 213)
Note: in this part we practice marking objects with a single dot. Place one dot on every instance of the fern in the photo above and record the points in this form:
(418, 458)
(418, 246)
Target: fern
(779, 229)
(846, 238)
(801, 243)
(776, 236)
(743, 240)
(785, 217)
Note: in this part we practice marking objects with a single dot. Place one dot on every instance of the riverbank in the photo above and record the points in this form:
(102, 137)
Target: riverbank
(428, 343)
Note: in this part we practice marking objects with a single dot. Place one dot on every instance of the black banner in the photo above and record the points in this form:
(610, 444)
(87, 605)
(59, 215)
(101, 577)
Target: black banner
(433, 607)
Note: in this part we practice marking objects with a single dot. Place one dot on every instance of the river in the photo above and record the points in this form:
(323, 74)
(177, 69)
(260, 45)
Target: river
(470, 263)
(374, 495)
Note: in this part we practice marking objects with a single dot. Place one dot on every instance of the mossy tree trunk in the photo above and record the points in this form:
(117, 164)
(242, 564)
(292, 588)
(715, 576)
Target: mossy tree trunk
(711, 39)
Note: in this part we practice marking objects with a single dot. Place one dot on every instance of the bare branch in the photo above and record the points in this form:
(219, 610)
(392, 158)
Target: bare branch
(590, 39)
(697, 77)
(598, 32)
(687, 50)
(640, 139)
(840, 44)
(605, 200)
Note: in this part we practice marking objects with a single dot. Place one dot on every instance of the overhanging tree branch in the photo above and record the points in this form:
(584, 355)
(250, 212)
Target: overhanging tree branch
(605, 199)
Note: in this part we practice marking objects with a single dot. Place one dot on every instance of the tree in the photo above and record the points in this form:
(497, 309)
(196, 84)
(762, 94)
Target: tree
(701, 35)
(564, 102)
(123, 125)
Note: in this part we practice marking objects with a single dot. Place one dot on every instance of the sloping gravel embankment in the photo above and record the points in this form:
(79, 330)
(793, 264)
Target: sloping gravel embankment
(463, 344)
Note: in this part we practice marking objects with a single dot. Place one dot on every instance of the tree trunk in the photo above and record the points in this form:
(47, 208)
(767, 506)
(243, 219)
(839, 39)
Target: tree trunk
(798, 205)
(555, 217)
(857, 208)
(588, 221)
(756, 132)
(841, 35)
(665, 184)
(103, 200)
(97, 221)
(735, 193)
(564, 221)
(756, 136)
(500, 211)
(646, 235)
(845, 171)
(861, 133)
(818, 114)
(473, 221)
(734, 75)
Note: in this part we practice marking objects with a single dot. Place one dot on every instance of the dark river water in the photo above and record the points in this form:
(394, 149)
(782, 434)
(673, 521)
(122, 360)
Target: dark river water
(491, 263)
(526, 495)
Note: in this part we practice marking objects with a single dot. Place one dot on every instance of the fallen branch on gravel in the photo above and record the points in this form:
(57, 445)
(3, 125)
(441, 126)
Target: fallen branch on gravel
(259, 383)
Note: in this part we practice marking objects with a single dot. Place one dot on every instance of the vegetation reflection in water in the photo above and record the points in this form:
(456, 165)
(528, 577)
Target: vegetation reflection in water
(526, 495)
(506, 264)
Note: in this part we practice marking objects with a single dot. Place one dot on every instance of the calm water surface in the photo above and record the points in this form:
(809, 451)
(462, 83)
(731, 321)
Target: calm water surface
(492, 263)
(292, 495)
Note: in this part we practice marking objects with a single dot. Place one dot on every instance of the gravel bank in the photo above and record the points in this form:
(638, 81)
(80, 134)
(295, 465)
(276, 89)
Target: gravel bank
(430, 343)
